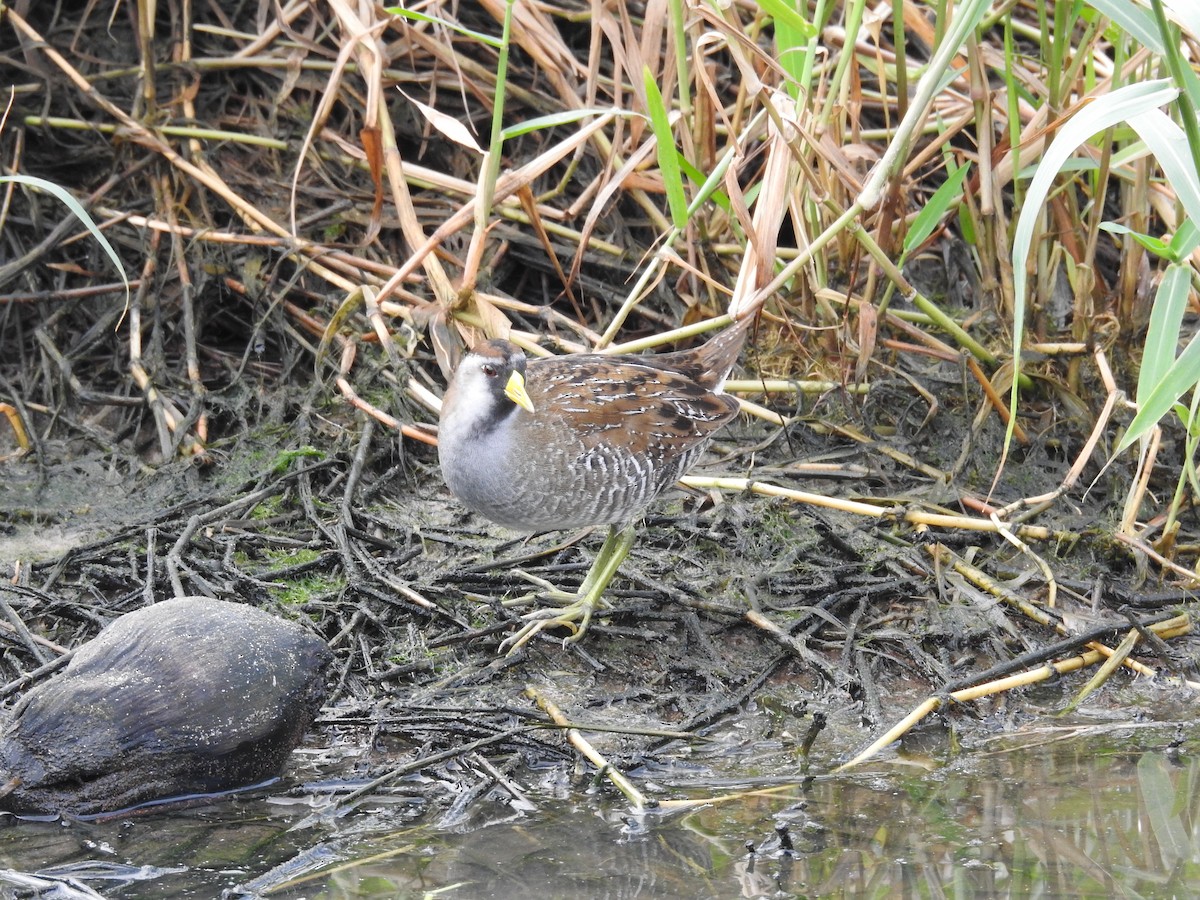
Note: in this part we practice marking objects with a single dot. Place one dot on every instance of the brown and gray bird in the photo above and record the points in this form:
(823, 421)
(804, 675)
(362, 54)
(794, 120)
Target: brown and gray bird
(580, 440)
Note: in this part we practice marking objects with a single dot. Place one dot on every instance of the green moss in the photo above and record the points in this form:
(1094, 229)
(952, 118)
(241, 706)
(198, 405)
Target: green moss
(283, 461)
(271, 506)
(291, 556)
(303, 590)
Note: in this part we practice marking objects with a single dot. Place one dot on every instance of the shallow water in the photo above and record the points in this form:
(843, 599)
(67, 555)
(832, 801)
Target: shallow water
(1080, 810)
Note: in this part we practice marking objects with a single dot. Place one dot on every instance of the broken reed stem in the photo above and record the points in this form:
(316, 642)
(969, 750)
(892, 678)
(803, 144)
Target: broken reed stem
(182, 131)
(912, 517)
(14, 419)
(693, 802)
(1142, 547)
(798, 386)
(1170, 628)
(580, 743)
(624, 785)
(1114, 662)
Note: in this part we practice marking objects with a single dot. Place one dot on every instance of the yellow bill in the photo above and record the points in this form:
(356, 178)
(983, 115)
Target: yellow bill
(515, 391)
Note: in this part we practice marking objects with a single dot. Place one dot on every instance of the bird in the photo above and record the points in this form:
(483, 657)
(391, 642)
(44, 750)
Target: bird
(580, 440)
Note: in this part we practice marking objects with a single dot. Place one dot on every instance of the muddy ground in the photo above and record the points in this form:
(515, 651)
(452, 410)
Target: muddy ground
(839, 623)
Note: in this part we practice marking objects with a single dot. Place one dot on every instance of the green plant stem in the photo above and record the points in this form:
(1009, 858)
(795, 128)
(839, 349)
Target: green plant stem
(921, 302)
(854, 17)
(681, 58)
(821, 14)
(487, 186)
(1187, 112)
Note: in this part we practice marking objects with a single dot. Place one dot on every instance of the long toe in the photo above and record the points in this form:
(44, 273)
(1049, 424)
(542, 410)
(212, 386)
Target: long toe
(576, 617)
(578, 614)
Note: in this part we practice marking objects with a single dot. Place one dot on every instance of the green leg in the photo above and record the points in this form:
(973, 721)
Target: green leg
(578, 613)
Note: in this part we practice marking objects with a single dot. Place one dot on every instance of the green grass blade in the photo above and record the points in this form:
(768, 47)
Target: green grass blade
(707, 187)
(785, 13)
(943, 198)
(79, 212)
(415, 16)
(1170, 147)
(567, 117)
(1185, 240)
(668, 156)
(792, 35)
(1162, 334)
(1100, 114)
(1180, 377)
(1155, 245)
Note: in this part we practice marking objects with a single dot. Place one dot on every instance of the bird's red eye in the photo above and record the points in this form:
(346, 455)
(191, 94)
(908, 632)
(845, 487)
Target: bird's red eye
(490, 371)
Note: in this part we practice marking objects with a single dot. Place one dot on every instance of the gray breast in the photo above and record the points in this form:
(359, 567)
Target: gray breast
(559, 483)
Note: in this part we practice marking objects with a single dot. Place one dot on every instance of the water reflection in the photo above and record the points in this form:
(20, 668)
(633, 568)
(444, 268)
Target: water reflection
(1077, 817)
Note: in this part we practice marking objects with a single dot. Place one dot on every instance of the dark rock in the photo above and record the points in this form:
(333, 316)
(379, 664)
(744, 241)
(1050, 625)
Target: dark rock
(186, 696)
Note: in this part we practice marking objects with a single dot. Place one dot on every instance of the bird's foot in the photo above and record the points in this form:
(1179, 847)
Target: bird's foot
(575, 616)
(577, 612)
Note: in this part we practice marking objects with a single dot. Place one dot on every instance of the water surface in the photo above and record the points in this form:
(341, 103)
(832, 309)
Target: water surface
(1080, 810)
